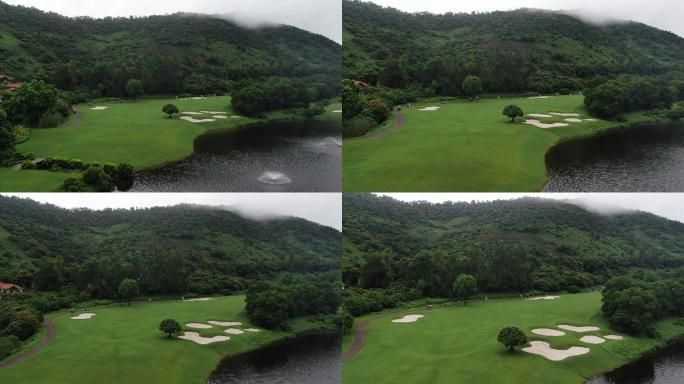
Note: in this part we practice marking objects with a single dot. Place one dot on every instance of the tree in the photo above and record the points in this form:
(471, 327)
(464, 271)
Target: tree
(351, 99)
(267, 308)
(472, 86)
(512, 337)
(513, 111)
(49, 275)
(465, 286)
(634, 310)
(134, 88)
(170, 110)
(31, 102)
(377, 110)
(6, 136)
(376, 271)
(170, 327)
(23, 324)
(128, 290)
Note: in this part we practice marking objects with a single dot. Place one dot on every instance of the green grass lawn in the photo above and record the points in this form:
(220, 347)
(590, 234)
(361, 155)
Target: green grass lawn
(123, 345)
(31, 180)
(465, 147)
(458, 344)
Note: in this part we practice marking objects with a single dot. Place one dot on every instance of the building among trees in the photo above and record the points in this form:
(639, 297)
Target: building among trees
(10, 288)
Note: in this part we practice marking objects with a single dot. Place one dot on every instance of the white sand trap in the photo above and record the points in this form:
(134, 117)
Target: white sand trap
(540, 97)
(590, 119)
(573, 120)
(564, 114)
(196, 338)
(83, 316)
(225, 323)
(539, 124)
(236, 117)
(548, 332)
(429, 109)
(544, 349)
(99, 108)
(588, 328)
(193, 113)
(201, 299)
(234, 331)
(198, 326)
(592, 340)
(337, 111)
(214, 113)
(613, 337)
(538, 115)
(220, 117)
(193, 120)
(408, 319)
(544, 298)
(253, 330)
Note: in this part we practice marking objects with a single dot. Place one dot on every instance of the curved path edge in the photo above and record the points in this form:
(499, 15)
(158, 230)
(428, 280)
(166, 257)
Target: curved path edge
(36, 348)
(400, 120)
(359, 339)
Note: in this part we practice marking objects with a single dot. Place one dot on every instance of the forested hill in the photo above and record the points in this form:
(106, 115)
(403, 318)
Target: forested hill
(167, 249)
(518, 245)
(522, 50)
(170, 54)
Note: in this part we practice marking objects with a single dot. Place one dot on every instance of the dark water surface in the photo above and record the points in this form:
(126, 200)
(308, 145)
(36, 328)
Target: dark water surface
(310, 359)
(664, 367)
(646, 158)
(285, 156)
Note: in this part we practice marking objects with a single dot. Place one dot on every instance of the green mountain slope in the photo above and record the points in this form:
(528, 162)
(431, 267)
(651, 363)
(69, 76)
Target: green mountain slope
(170, 54)
(519, 245)
(168, 249)
(511, 51)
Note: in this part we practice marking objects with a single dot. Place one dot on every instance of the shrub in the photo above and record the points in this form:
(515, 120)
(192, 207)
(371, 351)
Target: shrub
(357, 127)
(51, 120)
(27, 164)
(62, 107)
(377, 110)
(512, 337)
(8, 344)
(170, 110)
(170, 327)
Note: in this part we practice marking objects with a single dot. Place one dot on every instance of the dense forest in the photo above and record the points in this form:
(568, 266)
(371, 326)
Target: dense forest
(171, 54)
(395, 250)
(66, 256)
(515, 51)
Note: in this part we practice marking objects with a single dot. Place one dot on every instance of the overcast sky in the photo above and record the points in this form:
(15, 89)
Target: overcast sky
(669, 205)
(323, 17)
(322, 208)
(663, 14)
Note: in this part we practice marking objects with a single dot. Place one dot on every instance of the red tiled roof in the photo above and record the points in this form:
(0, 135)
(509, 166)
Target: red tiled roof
(14, 85)
(361, 83)
(8, 286)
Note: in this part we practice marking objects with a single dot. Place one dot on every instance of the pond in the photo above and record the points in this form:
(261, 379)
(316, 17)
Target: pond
(279, 156)
(645, 158)
(309, 359)
(664, 367)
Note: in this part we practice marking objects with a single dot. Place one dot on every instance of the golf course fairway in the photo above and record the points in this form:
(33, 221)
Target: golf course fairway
(465, 146)
(124, 345)
(458, 344)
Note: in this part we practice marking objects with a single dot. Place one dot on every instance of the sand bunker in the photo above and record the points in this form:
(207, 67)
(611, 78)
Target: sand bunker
(544, 349)
(337, 111)
(408, 319)
(564, 114)
(588, 328)
(539, 124)
(540, 97)
(201, 299)
(236, 117)
(198, 325)
(193, 113)
(194, 98)
(538, 115)
(196, 338)
(214, 113)
(83, 316)
(220, 117)
(613, 337)
(548, 332)
(544, 298)
(253, 330)
(193, 120)
(573, 120)
(225, 323)
(234, 331)
(429, 109)
(590, 119)
(99, 108)
(592, 340)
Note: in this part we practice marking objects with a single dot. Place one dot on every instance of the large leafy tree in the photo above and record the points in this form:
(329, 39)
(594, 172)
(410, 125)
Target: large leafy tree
(170, 327)
(472, 86)
(512, 337)
(31, 102)
(128, 290)
(134, 89)
(513, 111)
(465, 287)
(6, 136)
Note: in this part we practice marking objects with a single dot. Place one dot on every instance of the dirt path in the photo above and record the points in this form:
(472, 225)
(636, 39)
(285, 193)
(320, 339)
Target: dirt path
(359, 339)
(36, 348)
(77, 121)
(398, 122)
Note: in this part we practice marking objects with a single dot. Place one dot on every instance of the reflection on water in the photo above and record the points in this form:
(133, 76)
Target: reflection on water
(648, 158)
(664, 367)
(311, 359)
(286, 156)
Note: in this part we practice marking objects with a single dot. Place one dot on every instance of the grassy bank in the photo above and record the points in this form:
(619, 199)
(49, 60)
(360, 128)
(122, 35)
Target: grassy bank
(458, 344)
(464, 146)
(123, 344)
